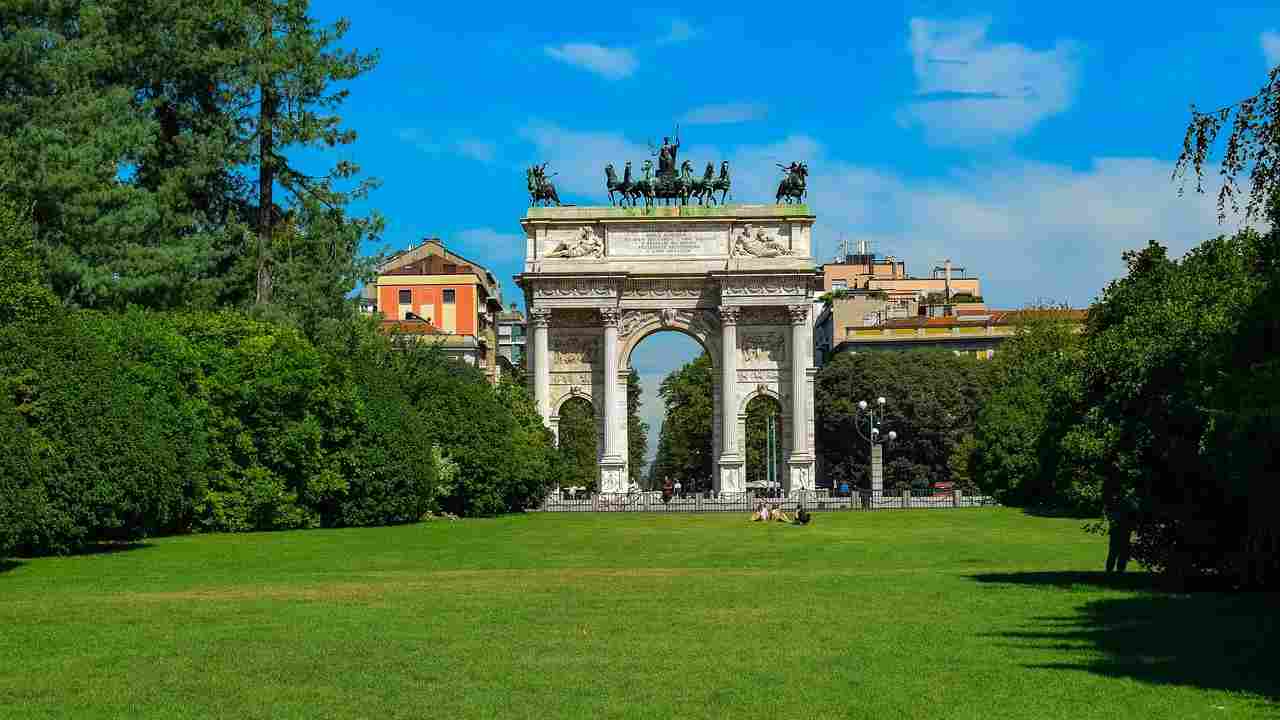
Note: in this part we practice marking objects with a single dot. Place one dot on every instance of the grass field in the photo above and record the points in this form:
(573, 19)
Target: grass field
(962, 614)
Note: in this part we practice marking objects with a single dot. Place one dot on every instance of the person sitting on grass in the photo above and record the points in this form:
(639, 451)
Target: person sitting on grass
(802, 517)
(761, 513)
(778, 514)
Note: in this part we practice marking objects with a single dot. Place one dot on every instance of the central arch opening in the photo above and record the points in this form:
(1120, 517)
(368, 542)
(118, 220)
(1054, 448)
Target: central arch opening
(764, 442)
(677, 405)
(579, 443)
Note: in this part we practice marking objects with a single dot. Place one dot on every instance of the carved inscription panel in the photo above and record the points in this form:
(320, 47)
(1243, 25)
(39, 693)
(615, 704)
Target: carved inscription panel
(675, 240)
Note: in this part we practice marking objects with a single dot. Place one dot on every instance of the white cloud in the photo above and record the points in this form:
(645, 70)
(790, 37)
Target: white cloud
(611, 63)
(680, 31)
(971, 91)
(473, 148)
(1028, 230)
(725, 113)
(492, 245)
(501, 254)
(1271, 48)
(481, 150)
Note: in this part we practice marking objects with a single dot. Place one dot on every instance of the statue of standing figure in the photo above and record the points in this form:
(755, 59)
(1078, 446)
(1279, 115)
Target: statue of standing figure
(667, 156)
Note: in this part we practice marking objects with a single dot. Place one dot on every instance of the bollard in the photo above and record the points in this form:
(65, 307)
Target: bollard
(955, 497)
(906, 498)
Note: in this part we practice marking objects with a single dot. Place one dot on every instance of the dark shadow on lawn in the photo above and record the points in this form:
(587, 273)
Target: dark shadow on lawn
(98, 548)
(1210, 640)
(105, 548)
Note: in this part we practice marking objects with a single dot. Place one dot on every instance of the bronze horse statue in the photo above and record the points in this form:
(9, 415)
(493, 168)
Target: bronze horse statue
(792, 187)
(623, 188)
(722, 183)
(703, 189)
(540, 187)
(645, 186)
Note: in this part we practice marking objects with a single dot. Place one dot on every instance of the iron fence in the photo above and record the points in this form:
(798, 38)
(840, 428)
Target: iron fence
(813, 500)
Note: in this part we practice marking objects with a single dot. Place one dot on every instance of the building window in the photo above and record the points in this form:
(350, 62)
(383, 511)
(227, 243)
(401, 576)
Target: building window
(450, 269)
(839, 284)
(517, 331)
(406, 297)
(449, 296)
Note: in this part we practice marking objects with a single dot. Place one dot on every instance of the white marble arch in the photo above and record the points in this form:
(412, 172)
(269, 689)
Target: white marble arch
(597, 281)
(707, 339)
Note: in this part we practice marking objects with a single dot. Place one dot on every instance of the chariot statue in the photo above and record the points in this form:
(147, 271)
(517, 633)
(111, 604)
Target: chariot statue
(674, 181)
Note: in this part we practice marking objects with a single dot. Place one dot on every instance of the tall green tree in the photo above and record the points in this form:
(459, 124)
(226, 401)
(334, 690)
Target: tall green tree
(138, 134)
(684, 443)
(284, 96)
(1181, 400)
(637, 429)
(933, 398)
(1020, 441)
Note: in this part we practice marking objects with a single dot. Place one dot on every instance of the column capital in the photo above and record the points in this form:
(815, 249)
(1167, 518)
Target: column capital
(729, 315)
(609, 316)
(540, 317)
(799, 314)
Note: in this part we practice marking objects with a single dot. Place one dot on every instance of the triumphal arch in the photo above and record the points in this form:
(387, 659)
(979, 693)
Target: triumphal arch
(740, 279)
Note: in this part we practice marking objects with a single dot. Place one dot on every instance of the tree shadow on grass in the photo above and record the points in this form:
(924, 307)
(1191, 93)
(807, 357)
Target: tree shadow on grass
(1210, 640)
(106, 548)
(98, 548)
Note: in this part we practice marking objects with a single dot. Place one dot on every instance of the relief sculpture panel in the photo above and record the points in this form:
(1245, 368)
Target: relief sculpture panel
(568, 350)
(762, 347)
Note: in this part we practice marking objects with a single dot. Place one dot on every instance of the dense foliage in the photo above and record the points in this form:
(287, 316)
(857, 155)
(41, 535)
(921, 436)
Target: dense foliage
(1164, 415)
(932, 398)
(1180, 384)
(684, 443)
(23, 294)
(126, 425)
(579, 444)
(148, 140)
(1026, 441)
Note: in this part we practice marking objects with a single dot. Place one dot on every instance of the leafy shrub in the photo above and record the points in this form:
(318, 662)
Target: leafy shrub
(88, 453)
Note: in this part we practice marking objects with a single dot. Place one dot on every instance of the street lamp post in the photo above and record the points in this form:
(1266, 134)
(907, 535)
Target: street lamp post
(874, 414)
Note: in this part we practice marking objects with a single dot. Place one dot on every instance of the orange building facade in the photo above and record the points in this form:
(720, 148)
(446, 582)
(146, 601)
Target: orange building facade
(431, 291)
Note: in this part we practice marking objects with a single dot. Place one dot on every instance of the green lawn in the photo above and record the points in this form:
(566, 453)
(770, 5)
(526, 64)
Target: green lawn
(930, 613)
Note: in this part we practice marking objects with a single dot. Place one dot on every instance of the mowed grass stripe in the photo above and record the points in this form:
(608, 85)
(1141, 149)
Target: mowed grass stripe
(969, 613)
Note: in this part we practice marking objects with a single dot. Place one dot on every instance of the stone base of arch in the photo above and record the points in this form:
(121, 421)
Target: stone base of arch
(685, 269)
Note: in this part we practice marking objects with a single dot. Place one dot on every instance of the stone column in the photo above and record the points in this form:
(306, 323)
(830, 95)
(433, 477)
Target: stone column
(540, 319)
(732, 479)
(613, 461)
(800, 463)
(877, 469)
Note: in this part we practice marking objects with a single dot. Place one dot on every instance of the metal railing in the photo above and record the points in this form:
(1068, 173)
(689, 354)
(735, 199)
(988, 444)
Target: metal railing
(813, 500)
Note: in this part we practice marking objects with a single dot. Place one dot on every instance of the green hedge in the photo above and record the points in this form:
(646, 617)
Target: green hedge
(120, 426)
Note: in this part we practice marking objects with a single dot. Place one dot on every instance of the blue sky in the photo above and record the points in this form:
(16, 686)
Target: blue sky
(1029, 142)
